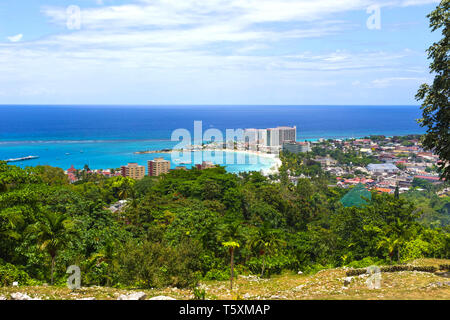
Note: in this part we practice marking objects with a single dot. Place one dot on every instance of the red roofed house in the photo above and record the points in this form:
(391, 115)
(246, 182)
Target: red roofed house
(72, 170)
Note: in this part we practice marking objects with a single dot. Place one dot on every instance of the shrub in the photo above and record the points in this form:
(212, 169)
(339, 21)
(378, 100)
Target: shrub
(199, 294)
(156, 265)
(366, 262)
(273, 264)
(313, 269)
(10, 273)
(219, 275)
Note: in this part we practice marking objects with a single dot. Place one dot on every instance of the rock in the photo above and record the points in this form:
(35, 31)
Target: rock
(2, 298)
(347, 281)
(247, 296)
(299, 272)
(364, 275)
(162, 298)
(299, 288)
(88, 298)
(133, 296)
(15, 284)
(22, 296)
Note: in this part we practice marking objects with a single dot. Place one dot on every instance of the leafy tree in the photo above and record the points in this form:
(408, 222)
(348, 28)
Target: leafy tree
(53, 233)
(267, 241)
(436, 106)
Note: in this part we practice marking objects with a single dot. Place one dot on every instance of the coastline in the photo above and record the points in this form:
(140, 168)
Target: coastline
(274, 162)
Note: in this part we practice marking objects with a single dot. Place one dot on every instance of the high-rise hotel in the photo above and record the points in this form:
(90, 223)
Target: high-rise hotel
(271, 137)
(133, 170)
(158, 166)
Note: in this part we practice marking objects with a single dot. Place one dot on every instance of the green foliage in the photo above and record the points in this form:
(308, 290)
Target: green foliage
(189, 225)
(273, 264)
(366, 262)
(313, 269)
(199, 294)
(10, 273)
(220, 275)
(436, 106)
(155, 265)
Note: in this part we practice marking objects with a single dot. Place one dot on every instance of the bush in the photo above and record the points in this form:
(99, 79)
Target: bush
(416, 249)
(219, 275)
(366, 262)
(273, 264)
(313, 269)
(10, 273)
(156, 265)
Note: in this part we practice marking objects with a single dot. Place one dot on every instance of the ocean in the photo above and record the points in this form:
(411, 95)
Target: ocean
(107, 136)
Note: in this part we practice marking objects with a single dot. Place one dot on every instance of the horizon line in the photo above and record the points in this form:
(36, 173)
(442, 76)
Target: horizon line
(209, 105)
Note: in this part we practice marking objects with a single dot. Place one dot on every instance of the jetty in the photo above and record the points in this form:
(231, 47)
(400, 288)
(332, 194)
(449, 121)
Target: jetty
(22, 159)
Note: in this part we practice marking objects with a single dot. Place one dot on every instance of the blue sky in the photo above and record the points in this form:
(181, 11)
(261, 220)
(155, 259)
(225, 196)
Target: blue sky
(214, 51)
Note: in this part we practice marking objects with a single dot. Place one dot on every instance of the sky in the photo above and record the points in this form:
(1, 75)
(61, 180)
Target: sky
(187, 52)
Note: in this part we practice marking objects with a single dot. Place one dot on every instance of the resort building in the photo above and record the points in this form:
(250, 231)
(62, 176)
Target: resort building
(255, 137)
(277, 136)
(158, 166)
(133, 170)
(205, 165)
(382, 168)
(287, 134)
(296, 147)
(325, 161)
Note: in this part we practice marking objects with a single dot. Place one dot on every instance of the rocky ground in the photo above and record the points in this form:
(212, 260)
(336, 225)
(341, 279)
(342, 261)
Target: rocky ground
(327, 284)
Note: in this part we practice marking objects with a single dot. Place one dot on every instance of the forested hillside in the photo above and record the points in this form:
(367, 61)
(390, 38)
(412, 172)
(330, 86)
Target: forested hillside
(176, 229)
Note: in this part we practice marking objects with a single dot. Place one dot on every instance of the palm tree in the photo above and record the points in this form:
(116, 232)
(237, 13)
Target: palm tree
(267, 241)
(389, 243)
(231, 245)
(107, 254)
(53, 234)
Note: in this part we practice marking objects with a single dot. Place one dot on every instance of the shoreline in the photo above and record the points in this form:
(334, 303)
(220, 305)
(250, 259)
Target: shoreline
(275, 164)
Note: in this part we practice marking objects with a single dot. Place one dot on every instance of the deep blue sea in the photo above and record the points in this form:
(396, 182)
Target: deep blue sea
(107, 136)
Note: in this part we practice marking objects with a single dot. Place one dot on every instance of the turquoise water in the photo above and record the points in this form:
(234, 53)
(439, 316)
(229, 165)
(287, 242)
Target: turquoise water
(113, 154)
(107, 137)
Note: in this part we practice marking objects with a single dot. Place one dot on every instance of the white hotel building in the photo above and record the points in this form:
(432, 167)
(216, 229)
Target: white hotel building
(269, 140)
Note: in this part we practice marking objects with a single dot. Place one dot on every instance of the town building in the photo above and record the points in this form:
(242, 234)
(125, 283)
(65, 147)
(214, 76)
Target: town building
(296, 147)
(277, 136)
(382, 168)
(133, 170)
(158, 166)
(326, 161)
(205, 165)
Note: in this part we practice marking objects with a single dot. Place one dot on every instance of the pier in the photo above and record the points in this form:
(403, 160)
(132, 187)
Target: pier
(22, 159)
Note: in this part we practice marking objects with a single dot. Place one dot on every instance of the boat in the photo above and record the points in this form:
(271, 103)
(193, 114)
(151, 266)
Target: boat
(22, 159)
(67, 154)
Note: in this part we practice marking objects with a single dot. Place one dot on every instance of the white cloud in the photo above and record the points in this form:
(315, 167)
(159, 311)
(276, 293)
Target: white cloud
(396, 81)
(15, 38)
(406, 3)
(146, 38)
